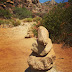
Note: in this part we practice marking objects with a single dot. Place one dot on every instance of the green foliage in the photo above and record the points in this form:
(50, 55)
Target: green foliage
(1, 22)
(5, 14)
(27, 20)
(36, 19)
(1, 1)
(15, 22)
(22, 13)
(69, 0)
(4, 22)
(35, 26)
(34, 29)
(11, 22)
(35, 32)
(59, 23)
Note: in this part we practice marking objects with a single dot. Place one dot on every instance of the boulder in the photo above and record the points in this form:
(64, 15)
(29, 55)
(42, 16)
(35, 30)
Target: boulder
(35, 1)
(43, 35)
(51, 54)
(52, 70)
(29, 34)
(38, 48)
(41, 49)
(33, 70)
(40, 63)
(30, 1)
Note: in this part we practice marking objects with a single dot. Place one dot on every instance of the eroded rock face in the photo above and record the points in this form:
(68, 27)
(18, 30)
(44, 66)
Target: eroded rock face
(32, 1)
(35, 1)
(43, 35)
(40, 63)
(42, 49)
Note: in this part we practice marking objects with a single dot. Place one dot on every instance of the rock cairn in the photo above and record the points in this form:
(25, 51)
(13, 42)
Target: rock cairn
(42, 56)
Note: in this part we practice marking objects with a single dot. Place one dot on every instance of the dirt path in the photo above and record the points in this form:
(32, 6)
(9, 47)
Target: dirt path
(15, 49)
(64, 58)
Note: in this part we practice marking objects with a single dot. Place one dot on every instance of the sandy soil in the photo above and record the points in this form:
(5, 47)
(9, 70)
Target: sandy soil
(15, 49)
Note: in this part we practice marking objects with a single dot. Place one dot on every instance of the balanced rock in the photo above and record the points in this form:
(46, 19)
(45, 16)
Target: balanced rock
(53, 69)
(40, 63)
(42, 56)
(43, 35)
(51, 54)
(41, 49)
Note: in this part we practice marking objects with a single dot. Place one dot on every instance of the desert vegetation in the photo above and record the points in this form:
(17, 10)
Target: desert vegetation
(58, 22)
(5, 14)
(22, 13)
(19, 22)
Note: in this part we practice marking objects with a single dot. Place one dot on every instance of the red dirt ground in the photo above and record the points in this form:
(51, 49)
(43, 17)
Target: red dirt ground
(15, 51)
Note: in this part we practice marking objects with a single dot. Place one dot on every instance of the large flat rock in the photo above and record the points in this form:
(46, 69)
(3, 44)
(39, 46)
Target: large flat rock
(40, 63)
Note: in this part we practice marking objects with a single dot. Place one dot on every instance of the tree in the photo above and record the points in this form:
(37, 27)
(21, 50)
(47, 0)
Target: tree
(69, 0)
(1, 1)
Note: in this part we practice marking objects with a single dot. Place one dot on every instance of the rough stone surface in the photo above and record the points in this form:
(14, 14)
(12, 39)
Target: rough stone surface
(53, 2)
(52, 70)
(41, 49)
(29, 34)
(43, 35)
(33, 70)
(40, 63)
(51, 54)
(42, 56)
(32, 1)
(35, 1)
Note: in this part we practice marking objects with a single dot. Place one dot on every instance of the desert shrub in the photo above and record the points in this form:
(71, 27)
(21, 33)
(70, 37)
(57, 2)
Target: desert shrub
(35, 28)
(27, 20)
(38, 14)
(70, 1)
(15, 22)
(22, 13)
(36, 19)
(1, 22)
(5, 14)
(2, 1)
(59, 23)
(6, 21)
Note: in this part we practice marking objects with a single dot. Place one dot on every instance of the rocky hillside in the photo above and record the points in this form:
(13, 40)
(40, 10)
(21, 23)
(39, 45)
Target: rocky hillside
(33, 5)
(18, 3)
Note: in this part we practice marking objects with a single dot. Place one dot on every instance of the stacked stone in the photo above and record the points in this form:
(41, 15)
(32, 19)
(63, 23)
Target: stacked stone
(42, 57)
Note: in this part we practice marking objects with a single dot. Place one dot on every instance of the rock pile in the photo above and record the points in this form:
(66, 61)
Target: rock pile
(42, 56)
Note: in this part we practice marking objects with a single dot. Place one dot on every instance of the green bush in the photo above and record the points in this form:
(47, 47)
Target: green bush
(4, 21)
(1, 22)
(38, 14)
(5, 14)
(34, 30)
(36, 19)
(59, 23)
(22, 13)
(27, 20)
(15, 22)
(2, 1)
